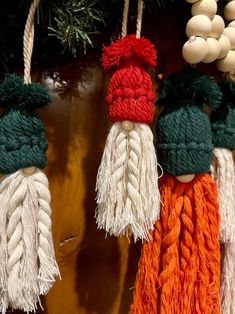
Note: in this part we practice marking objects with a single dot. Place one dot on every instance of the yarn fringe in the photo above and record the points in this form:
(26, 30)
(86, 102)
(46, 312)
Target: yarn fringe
(222, 171)
(28, 265)
(227, 291)
(184, 275)
(127, 183)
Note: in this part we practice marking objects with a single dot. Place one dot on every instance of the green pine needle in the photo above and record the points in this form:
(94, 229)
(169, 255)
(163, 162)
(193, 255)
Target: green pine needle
(76, 23)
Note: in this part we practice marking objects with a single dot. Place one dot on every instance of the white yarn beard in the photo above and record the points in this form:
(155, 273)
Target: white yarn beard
(223, 173)
(227, 286)
(127, 183)
(27, 258)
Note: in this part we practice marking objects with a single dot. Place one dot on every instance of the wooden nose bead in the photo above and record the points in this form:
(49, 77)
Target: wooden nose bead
(127, 125)
(29, 170)
(186, 178)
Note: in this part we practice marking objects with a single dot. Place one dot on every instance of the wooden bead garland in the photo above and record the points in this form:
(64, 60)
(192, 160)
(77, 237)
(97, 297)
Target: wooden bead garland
(226, 64)
(218, 43)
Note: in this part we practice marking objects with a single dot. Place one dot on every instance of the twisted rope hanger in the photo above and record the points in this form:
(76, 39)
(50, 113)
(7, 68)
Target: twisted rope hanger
(28, 41)
(139, 18)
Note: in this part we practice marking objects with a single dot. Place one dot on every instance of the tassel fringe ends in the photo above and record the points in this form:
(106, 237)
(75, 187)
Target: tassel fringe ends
(227, 291)
(27, 259)
(127, 183)
(179, 270)
(223, 173)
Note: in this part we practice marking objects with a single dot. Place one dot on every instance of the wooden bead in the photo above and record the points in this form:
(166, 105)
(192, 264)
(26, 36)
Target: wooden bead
(186, 178)
(217, 26)
(225, 46)
(229, 11)
(227, 63)
(231, 24)
(199, 25)
(206, 7)
(213, 50)
(127, 125)
(29, 170)
(230, 33)
(195, 50)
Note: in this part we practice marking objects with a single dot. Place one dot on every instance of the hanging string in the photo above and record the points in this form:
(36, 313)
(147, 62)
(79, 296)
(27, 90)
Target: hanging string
(125, 17)
(139, 18)
(28, 41)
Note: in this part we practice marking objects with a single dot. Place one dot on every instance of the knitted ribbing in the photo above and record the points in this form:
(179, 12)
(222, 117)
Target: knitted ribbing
(184, 141)
(130, 95)
(22, 133)
(22, 141)
(184, 135)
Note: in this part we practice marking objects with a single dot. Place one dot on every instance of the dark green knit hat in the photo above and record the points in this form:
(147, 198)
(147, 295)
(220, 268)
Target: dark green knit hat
(184, 133)
(22, 133)
(223, 120)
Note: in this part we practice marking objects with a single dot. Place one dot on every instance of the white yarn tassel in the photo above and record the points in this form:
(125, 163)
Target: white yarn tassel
(127, 183)
(227, 288)
(30, 261)
(223, 173)
(48, 268)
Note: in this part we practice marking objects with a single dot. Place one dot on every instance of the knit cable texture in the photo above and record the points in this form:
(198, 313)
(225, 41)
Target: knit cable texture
(130, 95)
(22, 133)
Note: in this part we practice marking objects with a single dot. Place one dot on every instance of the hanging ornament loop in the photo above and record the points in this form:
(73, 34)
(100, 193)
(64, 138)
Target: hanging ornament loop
(28, 41)
(140, 8)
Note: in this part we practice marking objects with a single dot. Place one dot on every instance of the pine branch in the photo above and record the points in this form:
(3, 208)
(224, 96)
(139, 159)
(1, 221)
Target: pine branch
(75, 24)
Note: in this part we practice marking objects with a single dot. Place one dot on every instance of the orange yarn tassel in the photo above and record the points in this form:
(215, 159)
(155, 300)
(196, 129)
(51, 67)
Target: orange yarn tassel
(179, 270)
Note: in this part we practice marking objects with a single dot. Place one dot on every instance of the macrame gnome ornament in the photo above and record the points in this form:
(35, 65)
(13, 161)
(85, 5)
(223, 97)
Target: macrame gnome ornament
(127, 182)
(223, 173)
(27, 259)
(179, 270)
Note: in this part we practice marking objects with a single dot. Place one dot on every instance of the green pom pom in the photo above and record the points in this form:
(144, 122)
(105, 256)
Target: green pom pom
(189, 87)
(15, 94)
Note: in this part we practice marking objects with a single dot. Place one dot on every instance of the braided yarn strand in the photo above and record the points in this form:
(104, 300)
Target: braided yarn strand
(128, 200)
(48, 268)
(145, 298)
(223, 173)
(183, 273)
(222, 169)
(31, 265)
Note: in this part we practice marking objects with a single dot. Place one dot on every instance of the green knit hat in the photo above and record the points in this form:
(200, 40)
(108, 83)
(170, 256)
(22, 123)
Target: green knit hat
(22, 133)
(184, 133)
(223, 120)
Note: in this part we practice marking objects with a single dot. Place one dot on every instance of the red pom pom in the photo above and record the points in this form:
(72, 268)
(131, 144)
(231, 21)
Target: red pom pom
(129, 47)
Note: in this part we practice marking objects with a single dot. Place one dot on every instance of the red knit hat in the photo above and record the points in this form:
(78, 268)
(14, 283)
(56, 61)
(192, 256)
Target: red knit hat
(130, 95)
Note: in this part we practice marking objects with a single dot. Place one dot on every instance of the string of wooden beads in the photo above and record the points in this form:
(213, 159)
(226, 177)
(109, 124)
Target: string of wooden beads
(208, 39)
(227, 63)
